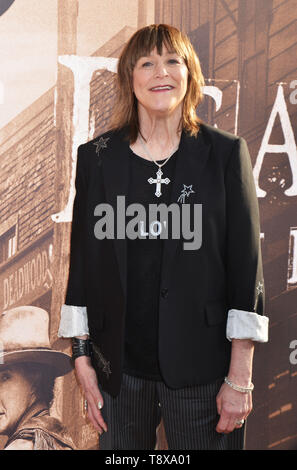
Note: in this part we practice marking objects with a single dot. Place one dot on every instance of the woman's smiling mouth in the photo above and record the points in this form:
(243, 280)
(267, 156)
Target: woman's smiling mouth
(162, 88)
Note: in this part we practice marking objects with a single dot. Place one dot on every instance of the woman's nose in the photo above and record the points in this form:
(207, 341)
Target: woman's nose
(161, 70)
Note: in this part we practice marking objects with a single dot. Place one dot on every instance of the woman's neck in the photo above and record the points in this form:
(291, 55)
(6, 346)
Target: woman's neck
(161, 135)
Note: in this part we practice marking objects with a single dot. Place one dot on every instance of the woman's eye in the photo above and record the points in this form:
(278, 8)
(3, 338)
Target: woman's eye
(4, 377)
(170, 61)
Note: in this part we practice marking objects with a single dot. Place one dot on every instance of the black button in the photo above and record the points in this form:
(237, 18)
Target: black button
(164, 292)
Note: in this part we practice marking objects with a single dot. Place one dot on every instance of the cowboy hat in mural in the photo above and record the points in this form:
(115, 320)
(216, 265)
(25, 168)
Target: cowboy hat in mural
(24, 337)
(28, 369)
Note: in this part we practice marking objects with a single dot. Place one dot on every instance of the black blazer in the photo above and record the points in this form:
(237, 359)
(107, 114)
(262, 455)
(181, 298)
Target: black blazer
(198, 287)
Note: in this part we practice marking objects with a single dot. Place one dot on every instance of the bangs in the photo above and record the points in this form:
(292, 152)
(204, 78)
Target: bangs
(149, 38)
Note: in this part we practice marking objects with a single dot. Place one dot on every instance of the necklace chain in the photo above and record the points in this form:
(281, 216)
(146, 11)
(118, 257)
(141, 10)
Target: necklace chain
(146, 150)
(158, 180)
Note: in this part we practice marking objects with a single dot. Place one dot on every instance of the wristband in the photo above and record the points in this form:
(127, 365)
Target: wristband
(238, 388)
(81, 347)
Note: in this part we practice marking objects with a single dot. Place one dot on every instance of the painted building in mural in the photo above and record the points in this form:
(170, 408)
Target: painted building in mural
(248, 54)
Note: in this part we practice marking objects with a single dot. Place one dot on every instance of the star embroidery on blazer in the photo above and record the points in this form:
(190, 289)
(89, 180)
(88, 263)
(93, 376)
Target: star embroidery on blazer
(260, 287)
(105, 365)
(185, 192)
(260, 290)
(100, 144)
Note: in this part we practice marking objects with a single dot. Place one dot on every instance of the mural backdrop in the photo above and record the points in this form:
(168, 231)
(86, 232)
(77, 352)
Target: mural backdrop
(58, 66)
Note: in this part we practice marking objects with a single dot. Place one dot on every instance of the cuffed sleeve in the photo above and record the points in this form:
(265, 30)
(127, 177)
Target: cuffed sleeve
(74, 321)
(247, 325)
(246, 294)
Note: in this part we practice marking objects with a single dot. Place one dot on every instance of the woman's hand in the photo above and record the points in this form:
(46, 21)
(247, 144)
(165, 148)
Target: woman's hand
(232, 406)
(87, 378)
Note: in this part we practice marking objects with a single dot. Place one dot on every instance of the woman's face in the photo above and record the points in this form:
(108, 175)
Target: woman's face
(15, 397)
(159, 70)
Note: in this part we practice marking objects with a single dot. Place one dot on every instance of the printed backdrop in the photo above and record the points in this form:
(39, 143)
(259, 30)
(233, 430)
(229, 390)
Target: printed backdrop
(58, 65)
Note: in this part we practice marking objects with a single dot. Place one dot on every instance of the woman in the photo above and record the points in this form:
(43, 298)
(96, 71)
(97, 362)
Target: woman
(148, 313)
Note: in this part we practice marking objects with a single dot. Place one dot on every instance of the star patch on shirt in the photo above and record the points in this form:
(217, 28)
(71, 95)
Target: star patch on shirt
(185, 192)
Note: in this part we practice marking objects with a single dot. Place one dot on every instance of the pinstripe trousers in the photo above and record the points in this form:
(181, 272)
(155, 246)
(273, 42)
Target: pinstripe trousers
(189, 415)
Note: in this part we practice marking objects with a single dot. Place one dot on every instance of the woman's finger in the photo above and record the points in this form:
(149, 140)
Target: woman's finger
(94, 420)
(228, 419)
(87, 378)
(239, 422)
(95, 400)
(224, 423)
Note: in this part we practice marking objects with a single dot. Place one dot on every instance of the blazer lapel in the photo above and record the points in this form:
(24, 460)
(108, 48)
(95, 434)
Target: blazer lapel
(115, 166)
(191, 160)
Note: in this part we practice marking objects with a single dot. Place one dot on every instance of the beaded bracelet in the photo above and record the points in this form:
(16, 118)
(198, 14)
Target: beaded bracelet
(238, 388)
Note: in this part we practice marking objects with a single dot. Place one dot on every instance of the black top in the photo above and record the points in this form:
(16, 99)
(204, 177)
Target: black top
(144, 261)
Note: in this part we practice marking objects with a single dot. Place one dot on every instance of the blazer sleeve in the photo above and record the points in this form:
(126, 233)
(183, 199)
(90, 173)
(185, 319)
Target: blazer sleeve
(245, 283)
(73, 320)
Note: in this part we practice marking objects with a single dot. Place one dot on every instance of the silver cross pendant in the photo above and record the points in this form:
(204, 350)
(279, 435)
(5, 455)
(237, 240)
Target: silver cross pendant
(158, 180)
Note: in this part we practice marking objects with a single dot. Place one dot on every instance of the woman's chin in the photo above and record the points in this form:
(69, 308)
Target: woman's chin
(160, 110)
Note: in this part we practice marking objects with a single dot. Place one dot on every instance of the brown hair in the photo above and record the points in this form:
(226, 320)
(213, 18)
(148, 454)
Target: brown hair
(141, 44)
